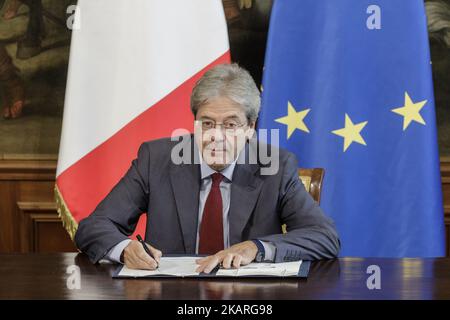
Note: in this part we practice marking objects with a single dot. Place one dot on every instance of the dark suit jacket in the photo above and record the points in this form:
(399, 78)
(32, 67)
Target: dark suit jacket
(169, 192)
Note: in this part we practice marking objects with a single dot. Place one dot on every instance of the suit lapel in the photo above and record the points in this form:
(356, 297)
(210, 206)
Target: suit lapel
(245, 190)
(185, 180)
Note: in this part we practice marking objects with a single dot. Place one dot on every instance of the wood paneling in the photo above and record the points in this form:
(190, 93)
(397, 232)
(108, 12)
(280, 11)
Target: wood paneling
(28, 218)
(41, 229)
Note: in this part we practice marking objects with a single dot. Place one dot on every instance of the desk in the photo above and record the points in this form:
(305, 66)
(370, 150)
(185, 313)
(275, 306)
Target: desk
(44, 276)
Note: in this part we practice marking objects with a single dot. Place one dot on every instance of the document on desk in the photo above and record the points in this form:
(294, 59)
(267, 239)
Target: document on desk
(284, 269)
(185, 267)
(168, 266)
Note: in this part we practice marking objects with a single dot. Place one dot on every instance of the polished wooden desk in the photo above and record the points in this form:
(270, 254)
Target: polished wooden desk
(44, 276)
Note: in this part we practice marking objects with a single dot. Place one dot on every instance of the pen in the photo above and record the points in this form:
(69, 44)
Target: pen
(146, 248)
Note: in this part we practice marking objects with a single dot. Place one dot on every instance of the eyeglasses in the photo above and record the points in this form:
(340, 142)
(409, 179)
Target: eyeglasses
(231, 125)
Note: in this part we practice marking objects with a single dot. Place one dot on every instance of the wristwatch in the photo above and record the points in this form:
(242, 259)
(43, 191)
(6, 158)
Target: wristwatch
(260, 255)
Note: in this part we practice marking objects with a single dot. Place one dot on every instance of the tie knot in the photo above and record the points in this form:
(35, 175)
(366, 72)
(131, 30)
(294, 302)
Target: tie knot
(216, 179)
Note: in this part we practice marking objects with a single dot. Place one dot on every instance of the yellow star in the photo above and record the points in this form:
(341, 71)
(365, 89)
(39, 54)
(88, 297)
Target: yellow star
(351, 132)
(294, 120)
(410, 111)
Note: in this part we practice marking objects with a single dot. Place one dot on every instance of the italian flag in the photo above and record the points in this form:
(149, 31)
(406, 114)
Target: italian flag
(132, 67)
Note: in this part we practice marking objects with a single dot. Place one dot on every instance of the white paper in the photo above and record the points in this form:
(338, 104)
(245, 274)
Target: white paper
(169, 266)
(185, 266)
(284, 269)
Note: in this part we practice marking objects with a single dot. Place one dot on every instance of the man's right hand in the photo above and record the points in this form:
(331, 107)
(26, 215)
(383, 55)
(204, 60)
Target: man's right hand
(135, 257)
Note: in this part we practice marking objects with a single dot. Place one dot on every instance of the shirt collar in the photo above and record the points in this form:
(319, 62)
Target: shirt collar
(206, 170)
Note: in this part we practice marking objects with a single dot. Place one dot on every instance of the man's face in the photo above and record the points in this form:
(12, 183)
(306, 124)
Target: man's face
(221, 130)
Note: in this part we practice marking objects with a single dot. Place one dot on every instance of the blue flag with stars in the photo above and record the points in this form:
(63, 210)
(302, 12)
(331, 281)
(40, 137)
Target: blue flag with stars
(348, 84)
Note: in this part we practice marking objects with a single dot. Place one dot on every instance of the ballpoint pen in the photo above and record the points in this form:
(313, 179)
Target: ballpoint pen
(139, 238)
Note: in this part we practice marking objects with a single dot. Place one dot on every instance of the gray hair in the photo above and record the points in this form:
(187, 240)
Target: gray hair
(438, 14)
(231, 81)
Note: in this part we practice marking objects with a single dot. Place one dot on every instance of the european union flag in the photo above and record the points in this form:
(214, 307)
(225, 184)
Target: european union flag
(348, 84)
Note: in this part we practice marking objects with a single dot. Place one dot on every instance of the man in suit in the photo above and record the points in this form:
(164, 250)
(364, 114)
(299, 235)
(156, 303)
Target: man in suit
(211, 193)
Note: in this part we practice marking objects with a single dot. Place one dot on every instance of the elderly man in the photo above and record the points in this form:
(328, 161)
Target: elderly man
(216, 202)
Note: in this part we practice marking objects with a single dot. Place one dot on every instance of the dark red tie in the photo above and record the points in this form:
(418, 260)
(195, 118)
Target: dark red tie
(211, 227)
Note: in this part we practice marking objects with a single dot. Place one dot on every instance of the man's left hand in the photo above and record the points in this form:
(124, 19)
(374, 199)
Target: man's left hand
(240, 254)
